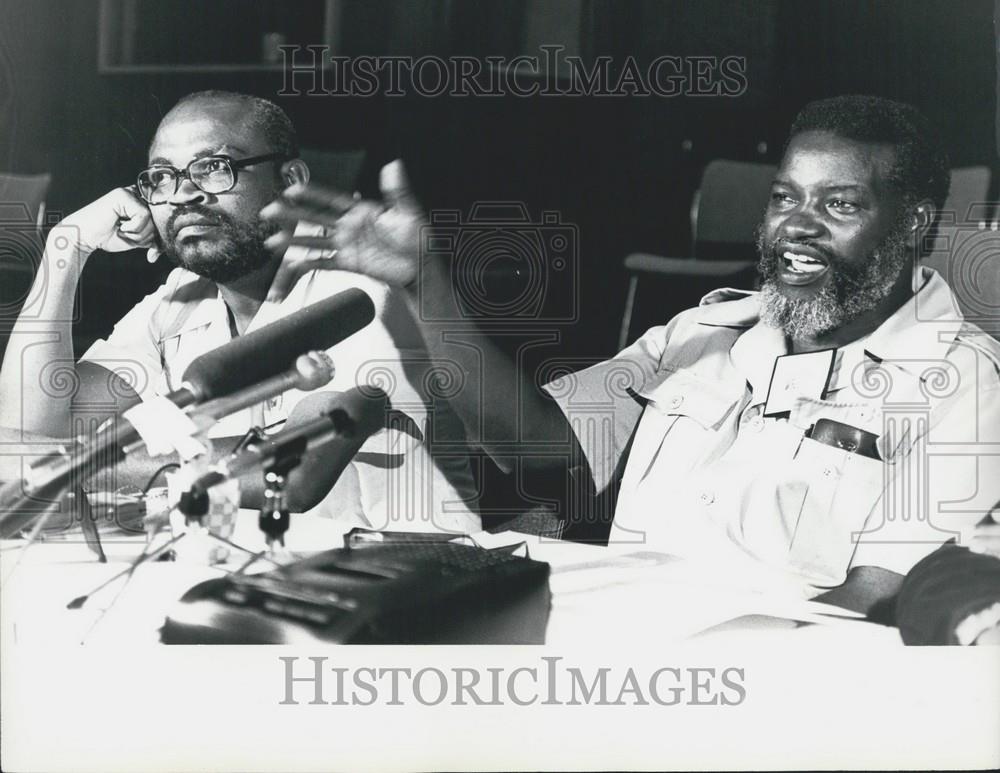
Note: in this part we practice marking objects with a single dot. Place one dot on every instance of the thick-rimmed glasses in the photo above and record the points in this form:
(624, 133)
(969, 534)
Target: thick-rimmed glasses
(211, 174)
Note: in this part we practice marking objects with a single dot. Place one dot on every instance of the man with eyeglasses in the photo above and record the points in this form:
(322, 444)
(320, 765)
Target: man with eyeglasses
(217, 158)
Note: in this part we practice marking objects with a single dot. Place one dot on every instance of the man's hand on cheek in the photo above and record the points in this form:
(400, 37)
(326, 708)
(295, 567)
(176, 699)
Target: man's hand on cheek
(116, 222)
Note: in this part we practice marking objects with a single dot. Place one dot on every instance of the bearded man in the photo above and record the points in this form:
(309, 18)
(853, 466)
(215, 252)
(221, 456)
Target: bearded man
(821, 435)
(217, 158)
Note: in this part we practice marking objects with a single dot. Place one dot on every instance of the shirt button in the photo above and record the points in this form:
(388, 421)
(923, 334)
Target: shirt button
(707, 497)
(676, 400)
(829, 472)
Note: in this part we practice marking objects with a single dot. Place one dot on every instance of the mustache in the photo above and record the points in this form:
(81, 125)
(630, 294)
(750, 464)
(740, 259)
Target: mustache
(203, 212)
(777, 247)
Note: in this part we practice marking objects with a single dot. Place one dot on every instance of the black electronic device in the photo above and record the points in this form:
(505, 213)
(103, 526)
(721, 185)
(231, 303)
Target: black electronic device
(393, 593)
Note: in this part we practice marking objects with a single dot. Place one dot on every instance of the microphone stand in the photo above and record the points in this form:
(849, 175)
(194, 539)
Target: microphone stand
(79, 601)
(52, 475)
(194, 505)
(274, 516)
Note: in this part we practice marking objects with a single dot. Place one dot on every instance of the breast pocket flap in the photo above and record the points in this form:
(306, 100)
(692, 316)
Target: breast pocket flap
(679, 393)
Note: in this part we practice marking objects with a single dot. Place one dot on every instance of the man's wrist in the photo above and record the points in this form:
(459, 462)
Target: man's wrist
(431, 275)
(434, 271)
(64, 254)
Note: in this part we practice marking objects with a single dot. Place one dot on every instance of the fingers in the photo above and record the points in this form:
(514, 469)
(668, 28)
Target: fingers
(278, 242)
(135, 226)
(134, 235)
(288, 213)
(282, 240)
(131, 209)
(313, 242)
(137, 229)
(320, 196)
(395, 187)
(314, 203)
(357, 225)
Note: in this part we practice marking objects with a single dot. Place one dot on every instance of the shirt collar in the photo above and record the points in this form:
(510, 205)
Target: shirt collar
(922, 329)
(754, 352)
(209, 308)
(729, 307)
(198, 303)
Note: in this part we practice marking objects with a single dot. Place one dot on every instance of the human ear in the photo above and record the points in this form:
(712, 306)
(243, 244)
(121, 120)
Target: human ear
(294, 172)
(922, 217)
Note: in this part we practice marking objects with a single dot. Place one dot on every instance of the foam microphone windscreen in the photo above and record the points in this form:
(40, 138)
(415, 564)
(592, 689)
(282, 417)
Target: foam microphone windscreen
(273, 349)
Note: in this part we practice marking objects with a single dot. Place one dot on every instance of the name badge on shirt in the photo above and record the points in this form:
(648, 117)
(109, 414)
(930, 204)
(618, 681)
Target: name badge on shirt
(798, 375)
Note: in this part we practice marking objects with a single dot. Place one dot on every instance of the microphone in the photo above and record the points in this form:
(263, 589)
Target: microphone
(249, 359)
(310, 371)
(47, 479)
(239, 364)
(349, 418)
(253, 357)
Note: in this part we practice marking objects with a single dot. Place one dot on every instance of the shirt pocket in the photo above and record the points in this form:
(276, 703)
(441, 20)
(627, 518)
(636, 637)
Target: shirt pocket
(683, 417)
(838, 491)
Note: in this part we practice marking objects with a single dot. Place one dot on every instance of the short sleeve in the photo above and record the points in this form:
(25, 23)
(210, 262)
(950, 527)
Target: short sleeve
(132, 349)
(602, 406)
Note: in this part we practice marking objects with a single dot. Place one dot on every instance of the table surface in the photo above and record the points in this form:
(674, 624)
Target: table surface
(598, 594)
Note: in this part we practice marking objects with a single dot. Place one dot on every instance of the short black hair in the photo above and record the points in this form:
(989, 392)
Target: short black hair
(273, 122)
(922, 168)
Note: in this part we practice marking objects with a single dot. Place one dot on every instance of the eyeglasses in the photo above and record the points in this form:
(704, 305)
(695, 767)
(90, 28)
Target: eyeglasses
(210, 174)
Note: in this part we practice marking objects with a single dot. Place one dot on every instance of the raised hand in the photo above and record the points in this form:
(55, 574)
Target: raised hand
(116, 222)
(381, 240)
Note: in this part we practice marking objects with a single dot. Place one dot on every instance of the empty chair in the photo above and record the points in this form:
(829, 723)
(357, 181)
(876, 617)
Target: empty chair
(22, 198)
(725, 212)
(22, 216)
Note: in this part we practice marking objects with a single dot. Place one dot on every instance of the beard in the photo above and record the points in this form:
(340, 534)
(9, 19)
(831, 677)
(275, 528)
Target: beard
(239, 250)
(850, 291)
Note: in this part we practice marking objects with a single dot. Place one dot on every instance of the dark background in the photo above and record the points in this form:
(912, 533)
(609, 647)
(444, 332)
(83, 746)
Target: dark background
(622, 169)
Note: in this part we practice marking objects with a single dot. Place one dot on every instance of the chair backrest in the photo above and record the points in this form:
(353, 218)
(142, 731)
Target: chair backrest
(966, 247)
(337, 169)
(728, 207)
(965, 207)
(970, 186)
(22, 197)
